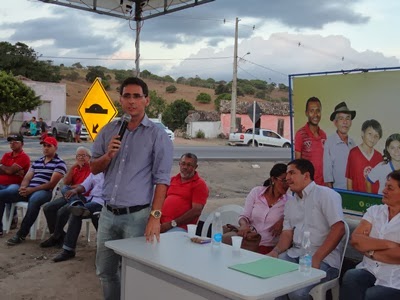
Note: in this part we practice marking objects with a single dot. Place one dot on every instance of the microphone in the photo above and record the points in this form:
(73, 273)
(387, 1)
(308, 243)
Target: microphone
(125, 119)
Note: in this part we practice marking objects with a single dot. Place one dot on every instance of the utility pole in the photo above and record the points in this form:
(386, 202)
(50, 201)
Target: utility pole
(234, 80)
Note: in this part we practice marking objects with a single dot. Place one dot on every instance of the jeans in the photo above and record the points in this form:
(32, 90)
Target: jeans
(57, 213)
(35, 201)
(303, 294)
(75, 225)
(113, 227)
(359, 284)
(8, 194)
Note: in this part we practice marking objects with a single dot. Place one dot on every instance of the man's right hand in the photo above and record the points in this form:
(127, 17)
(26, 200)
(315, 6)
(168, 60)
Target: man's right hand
(70, 193)
(113, 146)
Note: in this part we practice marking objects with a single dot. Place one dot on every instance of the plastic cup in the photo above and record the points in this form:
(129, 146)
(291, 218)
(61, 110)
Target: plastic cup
(237, 242)
(191, 230)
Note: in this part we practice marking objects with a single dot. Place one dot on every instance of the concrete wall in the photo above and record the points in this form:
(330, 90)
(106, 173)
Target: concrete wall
(210, 129)
(267, 122)
(54, 97)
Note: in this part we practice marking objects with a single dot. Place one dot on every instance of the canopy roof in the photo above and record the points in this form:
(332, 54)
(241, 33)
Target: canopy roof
(129, 9)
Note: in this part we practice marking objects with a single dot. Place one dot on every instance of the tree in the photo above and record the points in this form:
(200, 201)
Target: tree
(168, 78)
(14, 97)
(157, 105)
(217, 101)
(222, 89)
(121, 75)
(171, 89)
(72, 76)
(22, 60)
(181, 80)
(175, 114)
(145, 74)
(77, 65)
(203, 98)
(283, 87)
(95, 72)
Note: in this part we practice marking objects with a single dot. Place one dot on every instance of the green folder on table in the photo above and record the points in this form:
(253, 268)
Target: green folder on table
(266, 267)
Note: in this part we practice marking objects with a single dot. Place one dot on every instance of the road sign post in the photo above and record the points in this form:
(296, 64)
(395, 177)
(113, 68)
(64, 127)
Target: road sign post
(96, 109)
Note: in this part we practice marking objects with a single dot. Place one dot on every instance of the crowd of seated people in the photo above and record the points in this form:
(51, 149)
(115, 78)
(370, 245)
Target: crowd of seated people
(277, 215)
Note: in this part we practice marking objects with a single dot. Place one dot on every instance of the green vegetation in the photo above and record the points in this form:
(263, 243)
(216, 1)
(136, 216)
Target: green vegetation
(19, 59)
(200, 134)
(171, 89)
(157, 105)
(175, 114)
(147, 74)
(217, 101)
(72, 76)
(98, 71)
(203, 98)
(14, 97)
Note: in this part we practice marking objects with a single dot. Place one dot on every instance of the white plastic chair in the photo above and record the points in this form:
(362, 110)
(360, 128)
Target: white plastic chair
(319, 291)
(85, 221)
(24, 206)
(229, 214)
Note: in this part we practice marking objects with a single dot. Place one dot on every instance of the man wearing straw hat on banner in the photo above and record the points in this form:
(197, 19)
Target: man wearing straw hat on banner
(338, 146)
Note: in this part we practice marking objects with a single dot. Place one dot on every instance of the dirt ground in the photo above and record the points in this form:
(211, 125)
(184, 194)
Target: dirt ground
(27, 271)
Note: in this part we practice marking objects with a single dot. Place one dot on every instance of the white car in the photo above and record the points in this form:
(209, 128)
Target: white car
(262, 137)
(161, 125)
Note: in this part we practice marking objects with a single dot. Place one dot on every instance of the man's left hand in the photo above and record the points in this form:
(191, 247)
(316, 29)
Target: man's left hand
(152, 229)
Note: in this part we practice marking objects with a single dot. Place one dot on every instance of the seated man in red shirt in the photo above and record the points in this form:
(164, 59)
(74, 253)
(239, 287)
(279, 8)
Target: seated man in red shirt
(186, 197)
(13, 167)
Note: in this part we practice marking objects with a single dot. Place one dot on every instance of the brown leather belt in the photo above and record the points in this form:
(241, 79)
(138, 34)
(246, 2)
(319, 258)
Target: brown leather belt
(126, 210)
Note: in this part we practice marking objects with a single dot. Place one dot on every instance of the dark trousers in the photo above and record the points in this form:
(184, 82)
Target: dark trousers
(57, 214)
(75, 225)
(359, 284)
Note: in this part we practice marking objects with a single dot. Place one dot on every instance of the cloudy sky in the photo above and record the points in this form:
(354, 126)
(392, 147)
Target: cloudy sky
(283, 37)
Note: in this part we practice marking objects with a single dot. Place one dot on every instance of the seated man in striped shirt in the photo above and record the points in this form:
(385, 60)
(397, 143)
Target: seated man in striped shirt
(37, 185)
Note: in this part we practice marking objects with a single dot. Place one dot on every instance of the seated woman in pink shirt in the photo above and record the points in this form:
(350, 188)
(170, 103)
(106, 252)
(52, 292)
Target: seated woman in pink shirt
(263, 209)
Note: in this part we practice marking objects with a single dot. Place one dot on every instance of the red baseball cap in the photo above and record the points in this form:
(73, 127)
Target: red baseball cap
(49, 140)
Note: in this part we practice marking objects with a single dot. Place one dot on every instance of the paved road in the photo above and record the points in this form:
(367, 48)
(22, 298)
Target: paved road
(220, 153)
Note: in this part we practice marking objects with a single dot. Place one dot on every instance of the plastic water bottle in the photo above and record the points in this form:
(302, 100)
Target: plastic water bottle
(306, 259)
(216, 230)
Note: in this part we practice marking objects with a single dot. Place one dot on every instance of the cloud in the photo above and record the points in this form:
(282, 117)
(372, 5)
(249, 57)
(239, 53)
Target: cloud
(282, 54)
(215, 20)
(68, 30)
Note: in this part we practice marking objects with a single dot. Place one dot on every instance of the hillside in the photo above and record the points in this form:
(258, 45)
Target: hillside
(76, 91)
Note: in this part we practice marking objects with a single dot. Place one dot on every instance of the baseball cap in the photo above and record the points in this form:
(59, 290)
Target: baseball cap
(15, 138)
(50, 140)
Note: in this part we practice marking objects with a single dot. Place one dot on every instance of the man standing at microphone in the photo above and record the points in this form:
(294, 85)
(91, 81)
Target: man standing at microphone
(133, 161)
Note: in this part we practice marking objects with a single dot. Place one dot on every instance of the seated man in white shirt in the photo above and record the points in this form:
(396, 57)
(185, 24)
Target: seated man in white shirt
(316, 209)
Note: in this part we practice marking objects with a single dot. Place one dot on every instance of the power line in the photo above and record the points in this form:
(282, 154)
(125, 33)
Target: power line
(248, 73)
(264, 67)
(132, 59)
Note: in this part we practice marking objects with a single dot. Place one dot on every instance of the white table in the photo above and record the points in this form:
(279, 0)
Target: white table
(176, 268)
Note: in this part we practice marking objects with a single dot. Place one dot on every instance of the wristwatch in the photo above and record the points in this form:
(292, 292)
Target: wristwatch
(370, 254)
(156, 213)
(174, 224)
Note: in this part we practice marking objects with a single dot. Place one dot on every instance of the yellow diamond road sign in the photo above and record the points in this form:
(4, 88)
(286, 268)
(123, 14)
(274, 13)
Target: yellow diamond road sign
(96, 109)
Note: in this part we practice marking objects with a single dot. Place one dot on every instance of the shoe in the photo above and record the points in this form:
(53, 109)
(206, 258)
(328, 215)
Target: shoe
(64, 255)
(79, 211)
(15, 240)
(1, 233)
(14, 222)
(50, 242)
